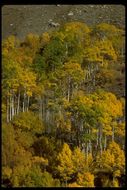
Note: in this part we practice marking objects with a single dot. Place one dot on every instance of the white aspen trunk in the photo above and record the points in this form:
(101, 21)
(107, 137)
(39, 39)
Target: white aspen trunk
(39, 103)
(87, 150)
(43, 108)
(91, 147)
(94, 80)
(15, 108)
(47, 117)
(28, 101)
(83, 148)
(24, 103)
(51, 117)
(100, 140)
(101, 148)
(105, 143)
(40, 111)
(88, 71)
(68, 94)
(7, 110)
(96, 67)
(72, 89)
(85, 76)
(15, 111)
(66, 183)
(92, 68)
(97, 138)
(81, 126)
(90, 150)
(18, 102)
(66, 50)
(102, 62)
(23, 107)
(50, 121)
(10, 108)
(122, 52)
(12, 105)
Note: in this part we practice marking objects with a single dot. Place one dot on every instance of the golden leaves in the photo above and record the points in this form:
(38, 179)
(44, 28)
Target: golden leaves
(65, 166)
(6, 171)
(40, 160)
(74, 185)
(86, 179)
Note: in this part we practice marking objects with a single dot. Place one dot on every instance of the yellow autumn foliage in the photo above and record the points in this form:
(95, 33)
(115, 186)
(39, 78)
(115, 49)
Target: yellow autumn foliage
(78, 159)
(45, 38)
(74, 185)
(85, 179)
(6, 172)
(119, 155)
(65, 166)
(37, 159)
(103, 161)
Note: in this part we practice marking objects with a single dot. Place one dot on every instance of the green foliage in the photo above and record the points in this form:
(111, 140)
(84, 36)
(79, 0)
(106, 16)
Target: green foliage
(28, 122)
(36, 178)
(8, 144)
(54, 54)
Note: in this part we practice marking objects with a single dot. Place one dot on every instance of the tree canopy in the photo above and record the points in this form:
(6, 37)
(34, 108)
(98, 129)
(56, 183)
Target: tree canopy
(63, 108)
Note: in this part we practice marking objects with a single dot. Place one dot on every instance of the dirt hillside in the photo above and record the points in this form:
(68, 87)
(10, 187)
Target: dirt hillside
(20, 20)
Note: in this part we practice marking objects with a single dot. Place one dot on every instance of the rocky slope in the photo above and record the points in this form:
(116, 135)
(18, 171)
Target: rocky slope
(20, 20)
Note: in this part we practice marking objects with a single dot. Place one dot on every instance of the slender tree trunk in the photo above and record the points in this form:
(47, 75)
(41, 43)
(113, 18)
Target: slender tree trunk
(16, 111)
(83, 148)
(7, 110)
(28, 101)
(77, 137)
(18, 106)
(122, 52)
(94, 80)
(87, 150)
(105, 143)
(88, 71)
(100, 139)
(12, 105)
(112, 133)
(81, 126)
(96, 67)
(47, 120)
(90, 147)
(10, 108)
(66, 183)
(101, 148)
(43, 108)
(15, 106)
(45, 100)
(40, 106)
(97, 139)
(68, 92)
(24, 105)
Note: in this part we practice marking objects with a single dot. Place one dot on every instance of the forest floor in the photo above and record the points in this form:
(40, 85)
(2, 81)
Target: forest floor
(19, 20)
